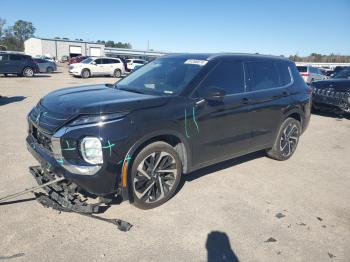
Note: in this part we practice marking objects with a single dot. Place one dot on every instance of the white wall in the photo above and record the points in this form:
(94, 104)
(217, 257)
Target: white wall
(33, 47)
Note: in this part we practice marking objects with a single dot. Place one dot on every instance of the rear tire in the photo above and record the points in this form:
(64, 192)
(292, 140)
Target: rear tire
(28, 72)
(85, 73)
(155, 175)
(117, 73)
(286, 141)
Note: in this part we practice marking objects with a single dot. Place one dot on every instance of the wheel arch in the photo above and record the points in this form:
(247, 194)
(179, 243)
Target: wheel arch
(175, 139)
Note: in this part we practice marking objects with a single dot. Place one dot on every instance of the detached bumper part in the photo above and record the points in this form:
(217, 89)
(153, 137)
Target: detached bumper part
(65, 193)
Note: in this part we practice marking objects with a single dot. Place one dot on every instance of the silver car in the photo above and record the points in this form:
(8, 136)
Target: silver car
(45, 66)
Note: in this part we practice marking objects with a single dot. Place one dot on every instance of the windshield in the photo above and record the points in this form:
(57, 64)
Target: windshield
(164, 76)
(345, 73)
(87, 61)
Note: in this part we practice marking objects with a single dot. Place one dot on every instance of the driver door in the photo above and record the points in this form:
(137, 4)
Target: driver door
(224, 127)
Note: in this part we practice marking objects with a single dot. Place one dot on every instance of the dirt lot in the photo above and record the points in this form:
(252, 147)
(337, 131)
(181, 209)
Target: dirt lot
(229, 208)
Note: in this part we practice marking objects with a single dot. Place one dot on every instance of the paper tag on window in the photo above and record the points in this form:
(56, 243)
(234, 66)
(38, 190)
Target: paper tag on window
(196, 62)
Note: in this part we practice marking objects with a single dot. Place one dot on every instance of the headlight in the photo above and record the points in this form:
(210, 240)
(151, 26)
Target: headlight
(89, 119)
(91, 150)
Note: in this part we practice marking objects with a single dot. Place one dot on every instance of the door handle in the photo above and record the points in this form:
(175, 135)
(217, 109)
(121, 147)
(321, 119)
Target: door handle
(244, 101)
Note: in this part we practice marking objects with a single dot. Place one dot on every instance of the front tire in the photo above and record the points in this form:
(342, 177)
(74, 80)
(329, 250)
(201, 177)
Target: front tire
(286, 141)
(85, 73)
(28, 72)
(155, 175)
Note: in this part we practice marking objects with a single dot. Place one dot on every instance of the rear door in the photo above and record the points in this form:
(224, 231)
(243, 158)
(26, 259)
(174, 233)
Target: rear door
(99, 67)
(268, 94)
(4, 63)
(16, 63)
(115, 64)
(221, 129)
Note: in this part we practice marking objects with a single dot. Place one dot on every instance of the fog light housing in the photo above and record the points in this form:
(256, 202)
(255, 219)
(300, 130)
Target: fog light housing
(91, 150)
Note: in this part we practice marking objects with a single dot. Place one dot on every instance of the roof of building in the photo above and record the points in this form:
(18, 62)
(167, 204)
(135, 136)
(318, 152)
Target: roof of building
(67, 40)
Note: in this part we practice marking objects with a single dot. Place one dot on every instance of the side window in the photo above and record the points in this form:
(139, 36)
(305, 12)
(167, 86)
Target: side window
(284, 73)
(4, 57)
(227, 75)
(263, 75)
(15, 57)
(98, 61)
(114, 61)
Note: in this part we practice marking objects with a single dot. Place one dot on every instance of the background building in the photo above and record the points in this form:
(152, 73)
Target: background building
(61, 47)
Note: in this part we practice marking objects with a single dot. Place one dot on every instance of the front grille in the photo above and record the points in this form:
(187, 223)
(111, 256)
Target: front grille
(41, 138)
(47, 121)
(329, 92)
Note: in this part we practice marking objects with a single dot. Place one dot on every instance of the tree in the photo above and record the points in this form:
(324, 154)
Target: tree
(110, 43)
(23, 30)
(2, 25)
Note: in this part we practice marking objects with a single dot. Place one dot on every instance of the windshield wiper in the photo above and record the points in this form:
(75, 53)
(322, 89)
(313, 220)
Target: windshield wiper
(131, 90)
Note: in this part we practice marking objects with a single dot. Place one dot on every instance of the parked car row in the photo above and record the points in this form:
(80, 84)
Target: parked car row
(20, 64)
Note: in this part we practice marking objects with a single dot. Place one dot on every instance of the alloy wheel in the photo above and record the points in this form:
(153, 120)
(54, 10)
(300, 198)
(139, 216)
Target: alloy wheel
(289, 139)
(155, 177)
(28, 72)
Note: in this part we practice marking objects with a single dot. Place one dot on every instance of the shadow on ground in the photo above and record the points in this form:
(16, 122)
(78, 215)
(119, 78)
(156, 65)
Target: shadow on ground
(219, 248)
(222, 165)
(4, 100)
(338, 115)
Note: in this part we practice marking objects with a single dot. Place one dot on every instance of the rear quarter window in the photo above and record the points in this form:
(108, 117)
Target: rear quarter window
(268, 74)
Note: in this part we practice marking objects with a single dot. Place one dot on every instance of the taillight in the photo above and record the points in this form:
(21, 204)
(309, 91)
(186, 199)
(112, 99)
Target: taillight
(305, 74)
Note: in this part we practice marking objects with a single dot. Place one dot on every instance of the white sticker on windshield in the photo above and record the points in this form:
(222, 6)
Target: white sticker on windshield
(196, 62)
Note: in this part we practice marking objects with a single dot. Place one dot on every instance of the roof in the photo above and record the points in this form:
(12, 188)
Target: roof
(67, 40)
(211, 56)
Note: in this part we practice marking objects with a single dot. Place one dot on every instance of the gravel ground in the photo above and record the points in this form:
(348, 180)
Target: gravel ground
(248, 209)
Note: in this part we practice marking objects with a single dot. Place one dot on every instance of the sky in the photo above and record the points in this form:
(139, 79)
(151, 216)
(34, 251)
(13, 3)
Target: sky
(251, 26)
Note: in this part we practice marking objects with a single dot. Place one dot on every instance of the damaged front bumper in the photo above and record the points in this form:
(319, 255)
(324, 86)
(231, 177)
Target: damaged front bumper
(331, 100)
(65, 193)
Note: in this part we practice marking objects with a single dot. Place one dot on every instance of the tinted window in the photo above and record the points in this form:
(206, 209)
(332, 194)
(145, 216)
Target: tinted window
(98, 61)
(113, 61)
(345, 73)
(263, 75)
(15, 57)
(226, 75)
(4, 57)
(284, 74)
(302, 69)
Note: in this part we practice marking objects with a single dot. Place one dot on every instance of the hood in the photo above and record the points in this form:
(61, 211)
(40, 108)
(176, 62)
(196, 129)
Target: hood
(339, 85)
(98, 99)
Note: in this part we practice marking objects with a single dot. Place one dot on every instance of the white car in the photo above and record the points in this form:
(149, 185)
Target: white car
(98, 66)
(131, 63)
(311, 74)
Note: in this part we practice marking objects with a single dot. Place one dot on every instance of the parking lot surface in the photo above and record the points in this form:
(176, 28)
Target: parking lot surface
(249, 209)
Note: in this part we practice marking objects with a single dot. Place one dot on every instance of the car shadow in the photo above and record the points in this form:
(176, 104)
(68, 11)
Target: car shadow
(338, 115)
(219, 248)
(4, 100)
(220, 166)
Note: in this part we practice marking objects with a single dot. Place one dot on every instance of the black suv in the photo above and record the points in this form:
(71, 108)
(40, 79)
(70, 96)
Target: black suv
(18, 64)
(172, 116)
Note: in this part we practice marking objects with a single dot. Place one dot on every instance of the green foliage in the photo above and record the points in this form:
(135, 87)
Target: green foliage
(23, 30)
(13, 36)
(111, 43)
(319, 58)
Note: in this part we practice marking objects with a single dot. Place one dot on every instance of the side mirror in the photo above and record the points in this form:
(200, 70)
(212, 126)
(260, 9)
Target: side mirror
(93, 63)
(215, 94)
